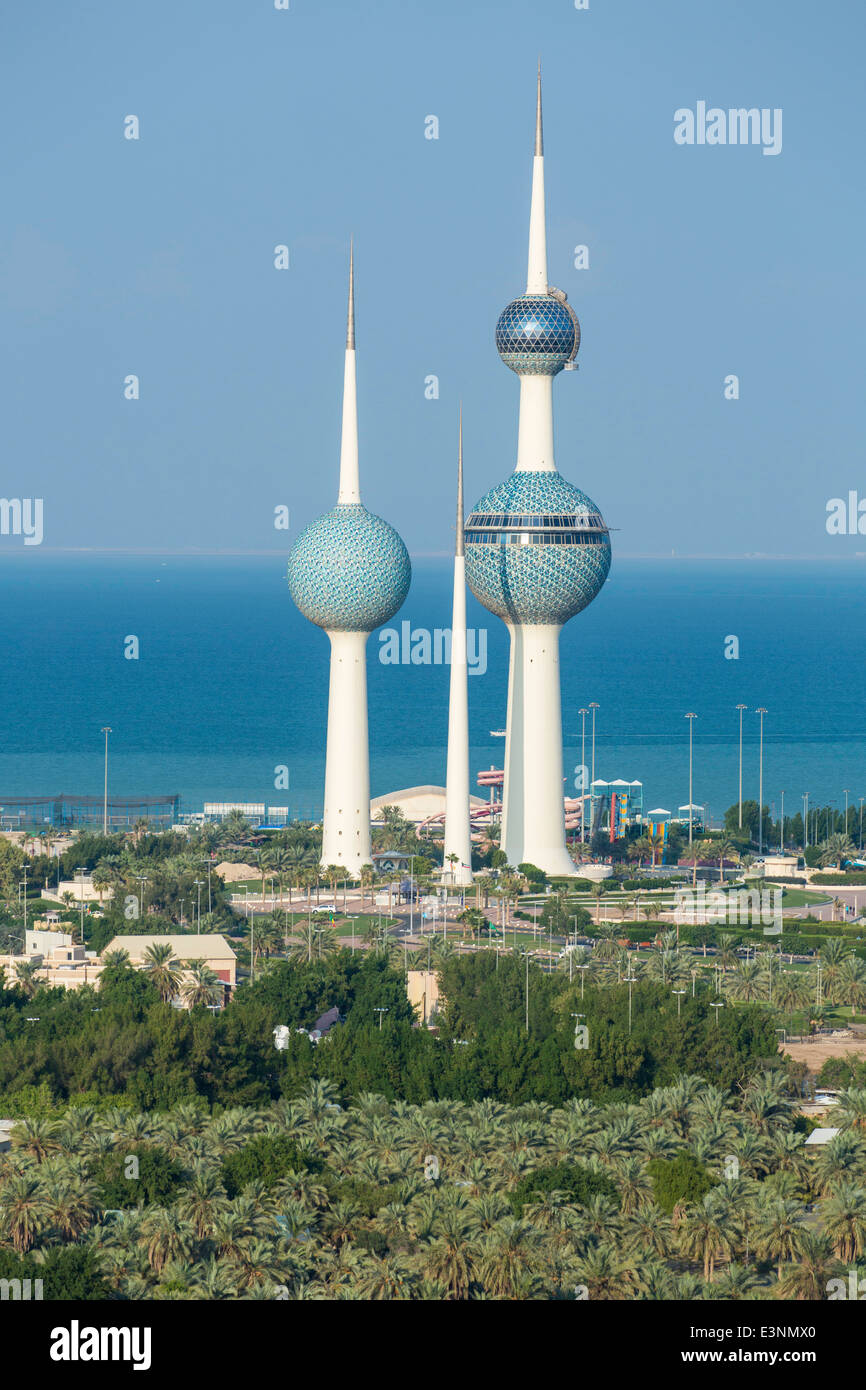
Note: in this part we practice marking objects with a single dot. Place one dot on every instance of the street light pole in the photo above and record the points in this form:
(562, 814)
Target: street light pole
(583, 713)
(782, 828)
(105, 731)
(741, 708)
(805, 820)
(593, 706)
(81, 870)
(691, 718)
(862, 799)
(761, 711)
(629, 980)
(846, 811)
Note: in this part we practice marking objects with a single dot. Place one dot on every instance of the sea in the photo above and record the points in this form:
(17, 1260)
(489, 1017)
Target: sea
(222, 696)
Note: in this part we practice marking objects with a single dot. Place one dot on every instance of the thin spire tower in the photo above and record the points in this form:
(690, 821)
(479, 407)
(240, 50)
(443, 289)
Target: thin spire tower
(458, 838)
(349, 573)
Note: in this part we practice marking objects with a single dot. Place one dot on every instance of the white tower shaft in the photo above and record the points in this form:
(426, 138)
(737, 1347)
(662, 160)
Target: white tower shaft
(534, 819)
(535, 426)
(346, 825)
(458, 839)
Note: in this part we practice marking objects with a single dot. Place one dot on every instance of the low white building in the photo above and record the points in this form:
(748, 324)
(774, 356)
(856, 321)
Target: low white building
(780, 866)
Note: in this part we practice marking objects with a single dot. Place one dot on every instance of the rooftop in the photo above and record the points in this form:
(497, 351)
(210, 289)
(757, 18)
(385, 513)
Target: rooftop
(185, 947)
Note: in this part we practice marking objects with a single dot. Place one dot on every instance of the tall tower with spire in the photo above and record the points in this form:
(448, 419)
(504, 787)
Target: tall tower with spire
(537, 553)
(349, 572)
(458, 839)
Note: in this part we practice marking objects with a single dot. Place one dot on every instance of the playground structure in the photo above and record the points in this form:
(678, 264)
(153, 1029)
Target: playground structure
(615, 807)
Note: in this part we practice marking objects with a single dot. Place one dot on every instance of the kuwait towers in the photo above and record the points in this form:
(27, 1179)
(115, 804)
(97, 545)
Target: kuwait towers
(537, 553)
(349, 572)
(458, 839)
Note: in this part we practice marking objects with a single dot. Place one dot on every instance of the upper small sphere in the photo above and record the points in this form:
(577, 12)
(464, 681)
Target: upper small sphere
(537, 335)
(349, 571)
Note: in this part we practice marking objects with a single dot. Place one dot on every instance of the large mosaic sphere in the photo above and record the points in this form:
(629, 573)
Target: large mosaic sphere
(537, 335)
(537, 549)
(349, 571)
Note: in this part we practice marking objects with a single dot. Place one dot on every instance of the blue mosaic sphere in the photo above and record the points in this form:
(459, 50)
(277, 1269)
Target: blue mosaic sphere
(537, 335)
(349, 571)
(537, 549)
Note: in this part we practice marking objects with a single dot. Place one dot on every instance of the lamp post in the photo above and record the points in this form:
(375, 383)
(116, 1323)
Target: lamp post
(630, 979)
(593, 706)
(526, 989)
(209, 864)
(679, 993)
(846, 812)
(717, 1006)
(583, 715)
(199, 884)
(105, 731)
(691, 718)
(862, 799)
(805, 820)
(761, 711)
(380, 1010)
(782, 827)
(741, 708)
(81, 870)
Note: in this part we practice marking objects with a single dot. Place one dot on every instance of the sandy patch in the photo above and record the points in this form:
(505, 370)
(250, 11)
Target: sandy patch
(816, 1053)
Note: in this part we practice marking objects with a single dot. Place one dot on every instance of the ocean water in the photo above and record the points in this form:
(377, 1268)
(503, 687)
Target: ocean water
(231, 682)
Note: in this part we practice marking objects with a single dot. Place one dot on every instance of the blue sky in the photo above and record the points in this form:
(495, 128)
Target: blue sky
(260, 127)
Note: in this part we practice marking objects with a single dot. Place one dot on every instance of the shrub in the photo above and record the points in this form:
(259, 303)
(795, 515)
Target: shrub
(266, 1159)
(680, 1179)
(579, 1183)
(157, 1182)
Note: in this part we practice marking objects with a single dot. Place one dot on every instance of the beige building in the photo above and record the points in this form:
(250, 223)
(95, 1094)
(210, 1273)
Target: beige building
(214, 950)
(422, 989)
(80, 889)
(59, 964)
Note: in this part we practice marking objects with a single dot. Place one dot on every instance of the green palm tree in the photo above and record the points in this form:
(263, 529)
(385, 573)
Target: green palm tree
(201, 984)
(37, 1137)
(116, 958)
(843, 1219)
(851, 1113)
(851, 986)
(735, 1283)
(707, 1232)
(813, 1267)
(835, 850)
(24, 1211)
(163, 969)
(452, 1254)
(723, 849)
(27, 977)
(509, 1253)
(778, 1226)
(747, 982)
